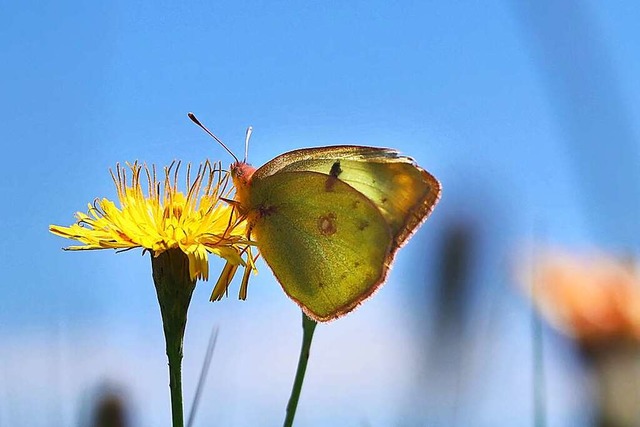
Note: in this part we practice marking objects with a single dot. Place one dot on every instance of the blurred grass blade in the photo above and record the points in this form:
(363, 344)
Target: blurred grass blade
(203, 375)
(539, 388)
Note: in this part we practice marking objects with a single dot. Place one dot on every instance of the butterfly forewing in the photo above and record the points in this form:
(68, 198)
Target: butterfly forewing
(326, 243)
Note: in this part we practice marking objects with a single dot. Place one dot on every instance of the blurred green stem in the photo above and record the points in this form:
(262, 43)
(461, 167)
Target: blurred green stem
(174, 288)
(308, 328)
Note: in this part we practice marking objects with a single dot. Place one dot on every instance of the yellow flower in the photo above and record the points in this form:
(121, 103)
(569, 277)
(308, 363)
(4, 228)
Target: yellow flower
(198, 223)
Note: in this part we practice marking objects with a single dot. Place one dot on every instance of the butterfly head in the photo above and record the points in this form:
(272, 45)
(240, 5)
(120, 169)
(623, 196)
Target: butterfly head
(241, 173)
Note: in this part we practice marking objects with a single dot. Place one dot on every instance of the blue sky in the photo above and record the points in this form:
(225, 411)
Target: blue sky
(505, 102)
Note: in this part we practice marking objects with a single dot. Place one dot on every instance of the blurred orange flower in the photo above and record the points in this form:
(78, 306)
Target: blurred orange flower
(593, 297)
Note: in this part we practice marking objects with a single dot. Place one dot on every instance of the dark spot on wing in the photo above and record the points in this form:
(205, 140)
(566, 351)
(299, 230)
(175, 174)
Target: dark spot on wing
(335, 169)
(356, 264)
(355, 204)
(384, 200)
(327, 224)
(362, 224)
(333, 176)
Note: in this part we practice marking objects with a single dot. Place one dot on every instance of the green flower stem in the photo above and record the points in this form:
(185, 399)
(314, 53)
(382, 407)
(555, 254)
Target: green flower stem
(308, 328)
(174, 288)
(175, 383)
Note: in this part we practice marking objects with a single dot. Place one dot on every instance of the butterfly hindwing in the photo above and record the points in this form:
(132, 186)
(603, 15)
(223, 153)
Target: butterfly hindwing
(327, 243)
(404, 193)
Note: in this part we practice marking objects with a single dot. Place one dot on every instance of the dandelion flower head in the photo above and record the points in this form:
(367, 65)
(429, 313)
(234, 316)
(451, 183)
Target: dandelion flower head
(198, 223)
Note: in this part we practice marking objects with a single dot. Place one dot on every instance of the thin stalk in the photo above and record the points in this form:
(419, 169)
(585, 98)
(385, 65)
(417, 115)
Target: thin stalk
(174, 355)
(539, 386)
(203, 375)
(308, 328)
(539, 392)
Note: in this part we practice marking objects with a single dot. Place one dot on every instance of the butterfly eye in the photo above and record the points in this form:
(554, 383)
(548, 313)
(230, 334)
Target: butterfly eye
(236, 170)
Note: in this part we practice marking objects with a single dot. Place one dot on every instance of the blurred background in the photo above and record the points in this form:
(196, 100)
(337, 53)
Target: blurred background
(527, 111)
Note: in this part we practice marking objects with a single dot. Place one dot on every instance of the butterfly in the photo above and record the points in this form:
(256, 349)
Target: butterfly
(329, 220)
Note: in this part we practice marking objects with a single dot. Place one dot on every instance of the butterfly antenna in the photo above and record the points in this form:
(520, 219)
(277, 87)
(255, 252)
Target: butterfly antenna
(246, 143)
(195, 120)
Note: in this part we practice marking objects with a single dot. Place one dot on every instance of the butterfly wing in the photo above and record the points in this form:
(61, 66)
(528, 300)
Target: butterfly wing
(329, 220)
(404, 193)
(326, 243)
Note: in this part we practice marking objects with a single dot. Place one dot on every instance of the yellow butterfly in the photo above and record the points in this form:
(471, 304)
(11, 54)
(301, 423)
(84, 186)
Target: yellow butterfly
(329, 220)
